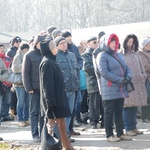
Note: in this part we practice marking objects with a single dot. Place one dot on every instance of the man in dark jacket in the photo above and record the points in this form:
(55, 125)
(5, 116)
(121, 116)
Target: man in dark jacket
(68, 65)
(92, 86)
(95, 53)
(74, 49)
(30, 77)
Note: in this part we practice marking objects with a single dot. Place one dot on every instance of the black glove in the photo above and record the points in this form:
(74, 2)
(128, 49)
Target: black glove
(51, 113)
(126, 80)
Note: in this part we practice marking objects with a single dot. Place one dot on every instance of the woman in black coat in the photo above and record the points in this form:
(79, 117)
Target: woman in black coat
(53, 97)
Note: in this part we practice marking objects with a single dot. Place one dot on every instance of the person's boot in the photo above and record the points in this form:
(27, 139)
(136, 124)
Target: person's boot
(63, 135)
(12, 113)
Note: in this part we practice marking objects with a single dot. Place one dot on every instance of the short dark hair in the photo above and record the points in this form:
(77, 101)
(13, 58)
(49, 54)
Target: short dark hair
(1, 45)
(24, 45)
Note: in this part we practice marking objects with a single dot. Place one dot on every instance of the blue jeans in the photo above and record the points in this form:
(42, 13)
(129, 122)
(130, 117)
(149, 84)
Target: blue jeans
(71, 102)
(0, 106)
(35, 116)
(113, 109)
(129, 117)
(22, 104)
(6, 104)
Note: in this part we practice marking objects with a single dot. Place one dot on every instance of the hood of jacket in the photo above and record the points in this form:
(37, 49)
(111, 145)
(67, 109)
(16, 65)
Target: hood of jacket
(45, 50)
(107, 40)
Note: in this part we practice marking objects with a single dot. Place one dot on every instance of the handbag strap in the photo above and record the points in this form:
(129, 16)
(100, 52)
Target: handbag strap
(117, 60)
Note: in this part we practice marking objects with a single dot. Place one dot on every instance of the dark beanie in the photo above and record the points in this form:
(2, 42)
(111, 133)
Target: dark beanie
(92, 38)
(101, 34)
(15, 39)
(24, 45)
(38, 39)
(66, 34)
(51, 29)
(59, 39)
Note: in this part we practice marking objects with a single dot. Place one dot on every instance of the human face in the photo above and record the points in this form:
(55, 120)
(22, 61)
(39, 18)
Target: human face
(130, 42)
(62, 45)
(112, 45)
(25, 50)
(2, 50)
(69, 39)
(55, 51)
(147, 46)
(17, 43)
(93, 44)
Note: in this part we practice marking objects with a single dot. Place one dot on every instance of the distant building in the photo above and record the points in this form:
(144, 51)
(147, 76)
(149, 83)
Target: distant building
(140, 29)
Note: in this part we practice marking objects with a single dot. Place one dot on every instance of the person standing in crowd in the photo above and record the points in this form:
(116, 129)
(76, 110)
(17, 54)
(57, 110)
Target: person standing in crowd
(3, 77)
(30, 77)
(50, 31)
(145, 58)
(22, 95)
(68, 65)
(92, 86)
(138, 97)
(95, 53)
(114, 75)
(52, 89)
(84, 103)
(7, 96)
(82, 46)
(14, 43)
(56, 33)
(76, 113)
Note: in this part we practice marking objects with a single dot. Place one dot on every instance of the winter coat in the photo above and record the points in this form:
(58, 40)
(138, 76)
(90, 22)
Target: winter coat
(145, 59)
(92, 86)
(30, 70)
(67, 63)
(12, 52)
(7, 62)
(3, 71)
(17, 64)
(95, 53)
(112, 72)
(74, 49)
(52, 88)
(138, 97)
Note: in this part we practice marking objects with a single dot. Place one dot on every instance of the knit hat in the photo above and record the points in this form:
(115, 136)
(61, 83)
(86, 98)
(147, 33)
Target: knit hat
(51, 29)
(59, 39)
(101, 34)
(55, 33)
(144, 42)
(92, 38)
(38, 39)
(66, 34)
(15, 39)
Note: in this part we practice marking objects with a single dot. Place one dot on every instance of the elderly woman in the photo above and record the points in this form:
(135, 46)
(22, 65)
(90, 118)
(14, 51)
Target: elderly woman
(53, 96)
(145, 58)
(138, 97)
(115, 74)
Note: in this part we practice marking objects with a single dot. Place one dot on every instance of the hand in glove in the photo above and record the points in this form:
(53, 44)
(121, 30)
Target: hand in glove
(125, 80)
(50, 112)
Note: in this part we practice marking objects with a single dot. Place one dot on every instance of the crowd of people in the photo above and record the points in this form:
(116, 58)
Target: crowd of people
(74, 85)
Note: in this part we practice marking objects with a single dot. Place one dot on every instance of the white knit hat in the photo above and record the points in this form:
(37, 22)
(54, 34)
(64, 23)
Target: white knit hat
(144, 42)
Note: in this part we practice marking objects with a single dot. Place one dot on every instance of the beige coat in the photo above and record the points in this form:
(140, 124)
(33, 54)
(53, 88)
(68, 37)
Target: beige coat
(139, 96)
(145, 58)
